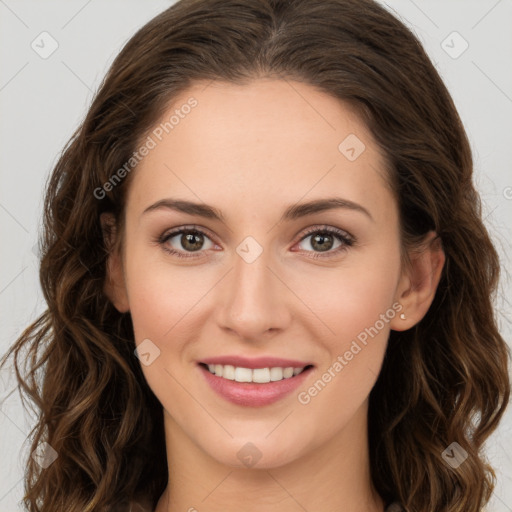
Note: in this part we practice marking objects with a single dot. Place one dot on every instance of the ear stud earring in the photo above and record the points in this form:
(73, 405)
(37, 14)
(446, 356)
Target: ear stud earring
(402, 316)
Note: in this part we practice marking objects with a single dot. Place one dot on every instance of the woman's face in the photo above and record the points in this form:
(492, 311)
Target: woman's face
(267, 276)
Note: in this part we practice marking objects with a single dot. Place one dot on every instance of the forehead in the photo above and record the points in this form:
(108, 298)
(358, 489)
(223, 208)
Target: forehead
(266, 140)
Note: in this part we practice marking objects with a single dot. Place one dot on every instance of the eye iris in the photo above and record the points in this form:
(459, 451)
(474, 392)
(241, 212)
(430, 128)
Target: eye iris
(320, 239)
(188, 239)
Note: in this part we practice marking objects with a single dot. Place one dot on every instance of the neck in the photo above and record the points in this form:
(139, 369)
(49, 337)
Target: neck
(333, 477)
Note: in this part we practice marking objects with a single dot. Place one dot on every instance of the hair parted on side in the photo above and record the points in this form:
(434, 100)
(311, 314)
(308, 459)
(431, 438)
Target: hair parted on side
(443, 381)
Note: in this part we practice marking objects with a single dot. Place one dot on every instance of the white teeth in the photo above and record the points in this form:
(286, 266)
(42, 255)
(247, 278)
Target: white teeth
(276, 374)
(258, 375)
(287, 373)
(229, 372)
(261, 375)
(241, 374)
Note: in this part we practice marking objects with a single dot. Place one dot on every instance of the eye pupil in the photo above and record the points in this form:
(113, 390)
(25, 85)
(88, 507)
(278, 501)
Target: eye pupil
(187, 241)
(320, 239)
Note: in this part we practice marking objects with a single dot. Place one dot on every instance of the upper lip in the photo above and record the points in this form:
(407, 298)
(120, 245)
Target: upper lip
(256, 362)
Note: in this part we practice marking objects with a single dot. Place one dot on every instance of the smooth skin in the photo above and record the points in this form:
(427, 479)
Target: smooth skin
(251, 151)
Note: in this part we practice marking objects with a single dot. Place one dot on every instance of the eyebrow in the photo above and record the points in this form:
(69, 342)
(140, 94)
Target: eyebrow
(292, 212)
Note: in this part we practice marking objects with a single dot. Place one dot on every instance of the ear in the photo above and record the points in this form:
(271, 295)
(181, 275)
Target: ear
(418, 283)
(114, 285)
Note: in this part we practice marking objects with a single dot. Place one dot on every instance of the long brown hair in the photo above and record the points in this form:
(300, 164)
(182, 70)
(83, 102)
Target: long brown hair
(443, 381)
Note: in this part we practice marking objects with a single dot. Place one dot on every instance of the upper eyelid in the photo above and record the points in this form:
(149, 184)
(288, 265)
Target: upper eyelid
(330, 229)
(176, 231)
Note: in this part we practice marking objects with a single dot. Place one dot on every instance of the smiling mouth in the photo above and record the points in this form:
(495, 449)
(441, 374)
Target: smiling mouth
(254, 375)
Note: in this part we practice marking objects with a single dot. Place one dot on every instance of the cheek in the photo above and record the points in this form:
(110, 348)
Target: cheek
(357, 306)
(164, 308)
(161, 296)
(360, 302)
(349, 299)
(342, 383)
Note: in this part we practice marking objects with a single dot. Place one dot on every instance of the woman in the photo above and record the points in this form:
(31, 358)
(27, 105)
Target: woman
(269, 285)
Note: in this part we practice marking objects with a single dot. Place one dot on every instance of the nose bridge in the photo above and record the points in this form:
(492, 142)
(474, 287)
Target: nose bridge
(255, 302)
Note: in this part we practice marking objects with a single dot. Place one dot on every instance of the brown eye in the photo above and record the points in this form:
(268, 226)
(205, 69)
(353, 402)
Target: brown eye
(328, 240)
(192, 241)
(184, 241)
(322, 242)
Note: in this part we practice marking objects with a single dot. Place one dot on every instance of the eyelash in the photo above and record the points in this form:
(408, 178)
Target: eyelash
(346, 240)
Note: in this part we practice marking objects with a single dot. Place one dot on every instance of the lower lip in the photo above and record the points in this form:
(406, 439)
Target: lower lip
(252, 394)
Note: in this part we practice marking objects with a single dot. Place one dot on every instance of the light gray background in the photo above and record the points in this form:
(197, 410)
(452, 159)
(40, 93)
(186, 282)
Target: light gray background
(43, 100)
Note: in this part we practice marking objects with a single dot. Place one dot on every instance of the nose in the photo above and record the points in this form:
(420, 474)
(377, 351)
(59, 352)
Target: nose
(256, 301)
